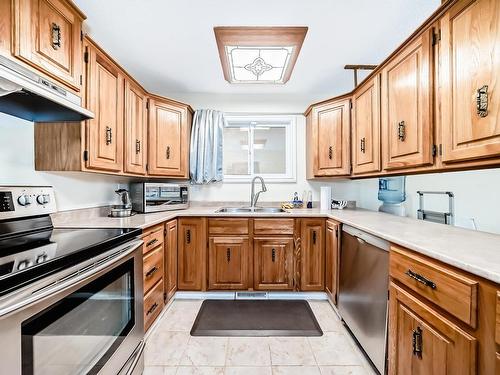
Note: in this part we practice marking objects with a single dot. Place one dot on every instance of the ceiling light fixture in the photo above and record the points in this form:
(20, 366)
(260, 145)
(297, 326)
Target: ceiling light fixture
(259, 54)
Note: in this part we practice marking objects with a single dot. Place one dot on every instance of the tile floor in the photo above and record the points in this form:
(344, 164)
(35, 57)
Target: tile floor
(171, 350)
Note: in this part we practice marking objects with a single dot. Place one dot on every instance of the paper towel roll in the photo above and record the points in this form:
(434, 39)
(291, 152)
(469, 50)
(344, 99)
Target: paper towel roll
(325, 198)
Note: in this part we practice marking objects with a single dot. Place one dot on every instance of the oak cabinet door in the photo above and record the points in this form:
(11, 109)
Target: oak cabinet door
(192, 247)
(170, 258)
(329, 138)
(135, 129)
(228, 263)
(332, 259)
(273, 263)
(366, 128)
(423, 342)
(407, 106)
(312, 238)
(104, 96)
(469, 71)
(168, 139)
(48, 37)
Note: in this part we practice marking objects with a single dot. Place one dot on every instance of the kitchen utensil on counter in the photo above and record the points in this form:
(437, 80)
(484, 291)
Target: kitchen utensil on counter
(125, 208)
(325, 198)
(310, 199)
(338, 205)
(436, 216)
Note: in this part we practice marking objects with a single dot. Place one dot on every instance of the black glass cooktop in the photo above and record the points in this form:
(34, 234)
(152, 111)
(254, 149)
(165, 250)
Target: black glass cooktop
(32, 255)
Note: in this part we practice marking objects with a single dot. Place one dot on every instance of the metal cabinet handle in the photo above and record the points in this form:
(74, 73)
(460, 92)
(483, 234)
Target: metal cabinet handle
(151, 272)
(314, 237)
(330, 152)
(363, 145)
(401, 131)
(168, 152)
(273, 255)
(482, 101)
(56, 36)
(152, 308)
(228, 254)
(188, 236)
(153, 241)
(421, 279)
(417, 342)
(109, 135)
(137, 146)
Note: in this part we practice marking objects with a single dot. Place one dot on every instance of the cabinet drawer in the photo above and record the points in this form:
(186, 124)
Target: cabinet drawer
(273, 226)
(497, 329)
(153, 303)
(153, 268)
(453, 292)
(152, 238)
(228, 226)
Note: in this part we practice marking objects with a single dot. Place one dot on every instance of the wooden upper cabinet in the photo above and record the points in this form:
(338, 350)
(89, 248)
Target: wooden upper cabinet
(48, 36)
(332, 259)
(136, 129)
(406, 106)
(328, 139)
(469, 71)
(421, 341)
(273, 263)
(228, 263)
(191, 255)
(366, 127)
(312, 254)
(104, 97)
(169, 131)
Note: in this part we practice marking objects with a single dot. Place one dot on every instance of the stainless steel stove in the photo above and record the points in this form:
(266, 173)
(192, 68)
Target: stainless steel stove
(71, 300)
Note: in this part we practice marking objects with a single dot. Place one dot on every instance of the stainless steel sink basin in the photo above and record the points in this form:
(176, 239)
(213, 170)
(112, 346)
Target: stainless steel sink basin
(270, 210)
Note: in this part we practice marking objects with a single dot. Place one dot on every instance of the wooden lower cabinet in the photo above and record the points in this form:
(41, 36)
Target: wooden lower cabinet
(191, 261)
(153, 268)
(421, 341)
(228, 263)
(153, 304)
(273, 263)
(312, 255)
(332, 259)
(170, 259)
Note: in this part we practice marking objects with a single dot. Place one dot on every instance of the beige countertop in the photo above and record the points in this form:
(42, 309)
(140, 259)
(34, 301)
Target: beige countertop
(473, 251)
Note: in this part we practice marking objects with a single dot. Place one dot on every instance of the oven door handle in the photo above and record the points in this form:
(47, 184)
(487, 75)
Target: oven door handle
(62, 283)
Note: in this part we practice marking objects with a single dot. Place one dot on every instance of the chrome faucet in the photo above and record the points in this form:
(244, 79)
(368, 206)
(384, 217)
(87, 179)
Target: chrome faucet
(255, 197)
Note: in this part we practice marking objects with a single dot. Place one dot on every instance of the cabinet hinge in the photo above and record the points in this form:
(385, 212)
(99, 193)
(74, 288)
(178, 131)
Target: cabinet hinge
(86, 56)
(436, 37)
(147, 104)
(85, 155)
(434, 150)
(350, 104)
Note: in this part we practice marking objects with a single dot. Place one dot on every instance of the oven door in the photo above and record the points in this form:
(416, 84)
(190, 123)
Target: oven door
(86, 320)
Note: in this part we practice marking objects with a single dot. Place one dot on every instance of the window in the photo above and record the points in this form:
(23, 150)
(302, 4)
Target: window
(259, 146)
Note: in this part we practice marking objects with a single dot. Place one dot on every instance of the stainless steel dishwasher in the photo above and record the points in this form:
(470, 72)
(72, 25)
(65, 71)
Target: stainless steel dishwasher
(363, 291)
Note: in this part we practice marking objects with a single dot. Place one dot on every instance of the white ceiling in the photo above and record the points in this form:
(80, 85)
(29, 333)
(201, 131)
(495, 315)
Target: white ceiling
(169, 45)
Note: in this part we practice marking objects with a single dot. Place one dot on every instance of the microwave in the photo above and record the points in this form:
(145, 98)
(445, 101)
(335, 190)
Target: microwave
(155, 197)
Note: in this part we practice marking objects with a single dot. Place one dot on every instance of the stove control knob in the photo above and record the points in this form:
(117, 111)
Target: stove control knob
(41, 258)
(43, 199)
(24, 200)
(23, 264)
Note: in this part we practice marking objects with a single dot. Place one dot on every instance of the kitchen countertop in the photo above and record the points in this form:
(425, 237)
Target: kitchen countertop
(472, 251)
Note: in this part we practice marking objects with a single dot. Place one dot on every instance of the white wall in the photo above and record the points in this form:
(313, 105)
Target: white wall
(476, 196)
(73, 190)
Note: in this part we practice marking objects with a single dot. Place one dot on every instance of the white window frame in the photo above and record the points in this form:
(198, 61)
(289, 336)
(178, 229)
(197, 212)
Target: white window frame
(290, 123)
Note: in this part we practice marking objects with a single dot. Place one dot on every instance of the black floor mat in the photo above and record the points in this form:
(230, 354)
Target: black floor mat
(255, 318)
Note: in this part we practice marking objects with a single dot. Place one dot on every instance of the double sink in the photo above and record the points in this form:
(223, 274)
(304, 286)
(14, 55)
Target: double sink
(264, 210)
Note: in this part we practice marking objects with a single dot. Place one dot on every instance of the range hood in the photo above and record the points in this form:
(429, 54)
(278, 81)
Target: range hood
(29, 96)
